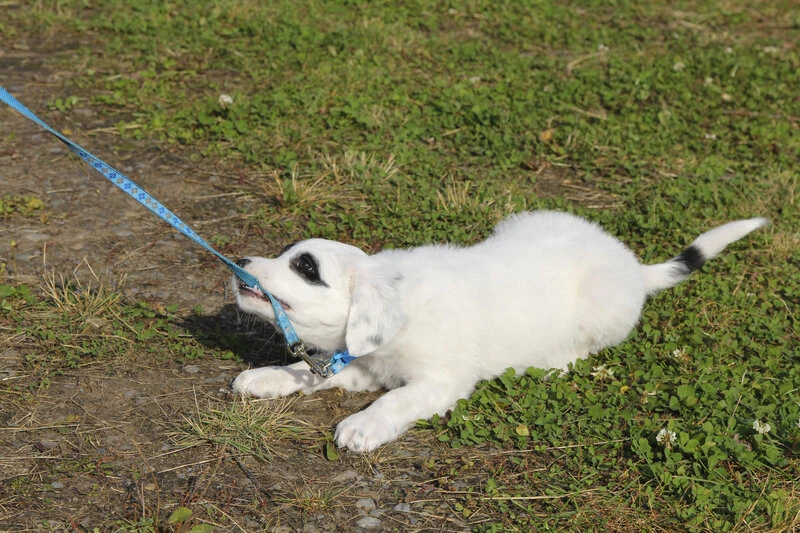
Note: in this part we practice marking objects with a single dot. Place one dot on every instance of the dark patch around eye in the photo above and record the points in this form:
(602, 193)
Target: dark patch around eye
(305, 266)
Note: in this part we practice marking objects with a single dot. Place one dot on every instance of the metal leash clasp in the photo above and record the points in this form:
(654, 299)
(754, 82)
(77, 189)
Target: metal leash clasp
(298, 349)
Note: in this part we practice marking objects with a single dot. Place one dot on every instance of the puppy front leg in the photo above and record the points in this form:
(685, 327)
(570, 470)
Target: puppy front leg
(394, 412)
(277, 381)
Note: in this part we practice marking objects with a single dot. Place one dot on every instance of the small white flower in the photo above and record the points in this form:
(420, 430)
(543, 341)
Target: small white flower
(474, 79)
(601, 372)
(726, 97)
(666, 437)
(772, 50)
(711, 136)
(708, 81)
(601, 48)
(728, 50)
(761, 427)
(225, 100)
(679, 354)
(679, 66)
(798, 423)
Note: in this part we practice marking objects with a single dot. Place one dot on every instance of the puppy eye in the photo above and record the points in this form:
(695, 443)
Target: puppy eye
(306, 267)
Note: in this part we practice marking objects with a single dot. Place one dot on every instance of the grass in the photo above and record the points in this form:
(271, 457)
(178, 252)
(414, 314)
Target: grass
(21, 205)
(389, 125)
(84, 319)
(251, 428)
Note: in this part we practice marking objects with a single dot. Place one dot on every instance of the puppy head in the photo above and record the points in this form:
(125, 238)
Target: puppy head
(335, 295)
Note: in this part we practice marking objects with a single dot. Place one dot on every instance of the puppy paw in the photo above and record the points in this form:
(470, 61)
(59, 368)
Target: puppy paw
(267, 382)
(365, 431)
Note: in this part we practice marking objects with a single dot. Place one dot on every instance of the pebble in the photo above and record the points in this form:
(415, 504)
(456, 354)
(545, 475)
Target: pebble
(369, 522)
(347, 475)
(252, 525)
(402, 508)
(57, 485)
(191, 369)
(35, 237)
(366, 504)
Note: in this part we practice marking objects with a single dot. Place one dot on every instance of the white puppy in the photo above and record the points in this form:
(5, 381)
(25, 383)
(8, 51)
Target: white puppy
(428, 323)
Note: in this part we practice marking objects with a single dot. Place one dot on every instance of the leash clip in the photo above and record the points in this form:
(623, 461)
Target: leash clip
(298, 350)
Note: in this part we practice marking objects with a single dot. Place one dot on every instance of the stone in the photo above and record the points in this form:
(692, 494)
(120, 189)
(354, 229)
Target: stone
(365, 504)
(369, 522)
(347, 475)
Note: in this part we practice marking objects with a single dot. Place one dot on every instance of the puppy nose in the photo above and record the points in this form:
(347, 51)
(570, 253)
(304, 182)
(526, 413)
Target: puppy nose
(243, 262)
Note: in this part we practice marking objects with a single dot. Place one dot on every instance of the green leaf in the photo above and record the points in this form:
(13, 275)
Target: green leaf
(6, 290)
(241, 126)
(179, 515)
(331, 453)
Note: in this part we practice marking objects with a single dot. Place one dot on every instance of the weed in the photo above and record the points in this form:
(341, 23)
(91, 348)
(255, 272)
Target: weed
(83, 300)
(311, 500)
(254, 428)
(21, 205)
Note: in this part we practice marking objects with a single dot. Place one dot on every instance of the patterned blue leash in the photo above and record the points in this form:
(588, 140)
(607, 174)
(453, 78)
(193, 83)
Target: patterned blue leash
(293, 343)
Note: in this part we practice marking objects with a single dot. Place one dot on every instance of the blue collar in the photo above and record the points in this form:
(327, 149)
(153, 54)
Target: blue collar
(295, 346)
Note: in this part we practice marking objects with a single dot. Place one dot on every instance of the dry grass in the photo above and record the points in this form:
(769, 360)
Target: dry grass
(250, 427)
(82, 299)
(339, 180)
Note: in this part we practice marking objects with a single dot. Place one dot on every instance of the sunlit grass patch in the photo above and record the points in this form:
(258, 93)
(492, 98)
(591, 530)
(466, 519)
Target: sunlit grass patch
(332, 180)
(256, 428)
(83, 296)
(311, 499)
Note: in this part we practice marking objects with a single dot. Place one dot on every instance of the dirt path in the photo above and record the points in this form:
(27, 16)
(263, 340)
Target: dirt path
(94, 447)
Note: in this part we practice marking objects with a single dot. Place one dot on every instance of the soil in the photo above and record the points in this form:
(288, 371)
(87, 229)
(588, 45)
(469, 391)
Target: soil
(91, 450)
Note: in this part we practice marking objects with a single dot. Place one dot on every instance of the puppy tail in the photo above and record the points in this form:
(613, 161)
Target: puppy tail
(666, 275)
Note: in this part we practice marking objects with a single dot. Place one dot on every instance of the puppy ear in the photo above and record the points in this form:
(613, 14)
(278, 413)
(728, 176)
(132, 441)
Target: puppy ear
(375, 314)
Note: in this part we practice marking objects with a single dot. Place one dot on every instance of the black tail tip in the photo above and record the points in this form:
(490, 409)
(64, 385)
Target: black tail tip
(691, 259)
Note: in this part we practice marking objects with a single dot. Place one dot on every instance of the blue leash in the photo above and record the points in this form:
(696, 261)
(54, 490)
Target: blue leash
(293, 343)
